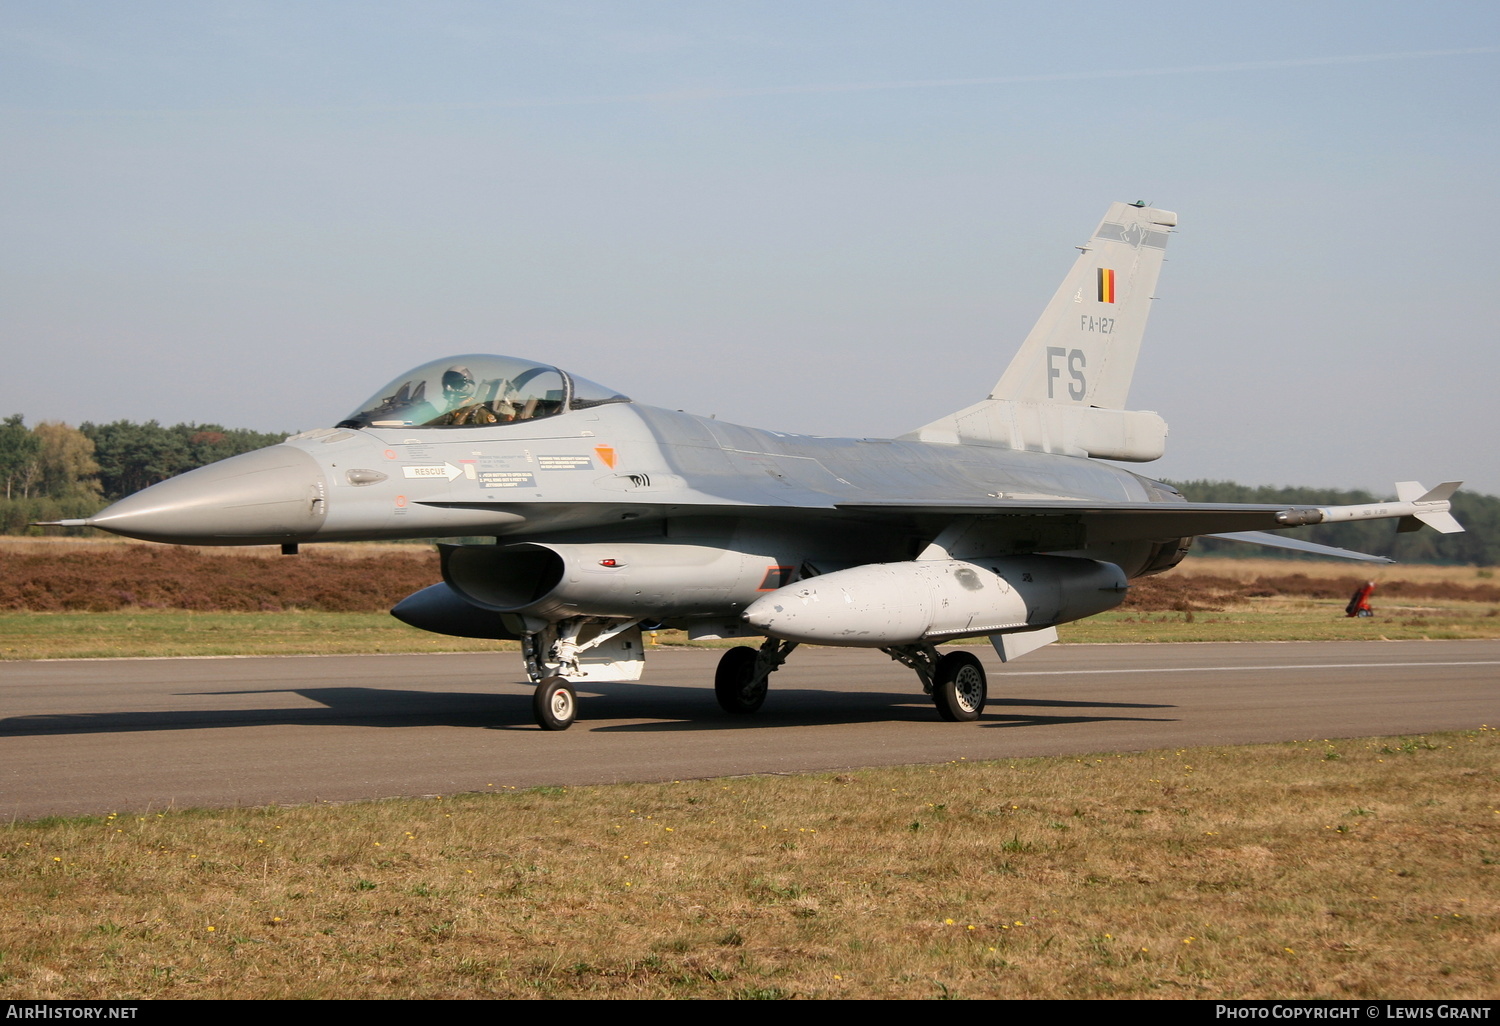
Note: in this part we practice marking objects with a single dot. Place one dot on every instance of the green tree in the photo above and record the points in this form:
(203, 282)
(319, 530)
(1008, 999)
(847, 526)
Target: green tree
(68, 469)
(49, 474)
(134, 456)
(1479, 544)
(19, 454)
(56, 472)
(209, 443)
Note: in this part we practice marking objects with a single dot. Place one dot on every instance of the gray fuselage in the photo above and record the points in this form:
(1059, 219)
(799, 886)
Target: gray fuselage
(615, 471)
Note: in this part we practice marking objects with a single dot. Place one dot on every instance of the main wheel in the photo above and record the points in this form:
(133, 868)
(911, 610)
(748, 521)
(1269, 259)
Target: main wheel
(555, 704)
(959, 687)
(732, 682)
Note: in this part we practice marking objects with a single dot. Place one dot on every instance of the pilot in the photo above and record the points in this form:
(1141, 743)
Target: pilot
(458, 396)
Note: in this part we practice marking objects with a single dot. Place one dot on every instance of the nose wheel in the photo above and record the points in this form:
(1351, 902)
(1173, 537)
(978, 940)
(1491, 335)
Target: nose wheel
(555, 704)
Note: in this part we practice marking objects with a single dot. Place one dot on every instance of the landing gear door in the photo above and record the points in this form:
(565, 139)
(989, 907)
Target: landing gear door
(617, 658)
(587, 651)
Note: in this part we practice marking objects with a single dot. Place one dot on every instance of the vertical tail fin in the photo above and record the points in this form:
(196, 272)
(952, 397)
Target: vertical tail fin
(1082, 350)
(1065, 390)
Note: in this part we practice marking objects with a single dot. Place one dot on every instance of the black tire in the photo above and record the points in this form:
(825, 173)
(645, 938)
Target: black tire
(555, 704)
(732, 682)
(959, 689)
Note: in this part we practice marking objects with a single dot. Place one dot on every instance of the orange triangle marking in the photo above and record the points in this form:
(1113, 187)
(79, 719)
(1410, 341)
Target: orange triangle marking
(607, 454)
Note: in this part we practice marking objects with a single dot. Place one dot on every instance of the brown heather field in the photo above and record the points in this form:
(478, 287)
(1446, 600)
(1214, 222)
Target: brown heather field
(63, 575)
(68, 575)
(1355, 869)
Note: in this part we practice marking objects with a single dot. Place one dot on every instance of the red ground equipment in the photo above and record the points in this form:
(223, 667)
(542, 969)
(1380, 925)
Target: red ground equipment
(1359, 604)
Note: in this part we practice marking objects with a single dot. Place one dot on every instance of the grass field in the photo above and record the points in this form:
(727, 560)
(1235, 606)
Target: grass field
(1350, 869)
(157, 634)
(1291, 620)
(1203, 600)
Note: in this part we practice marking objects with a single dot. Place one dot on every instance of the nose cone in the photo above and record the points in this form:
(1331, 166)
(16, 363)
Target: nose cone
(271, 495)
(762, 613)
(792, 613)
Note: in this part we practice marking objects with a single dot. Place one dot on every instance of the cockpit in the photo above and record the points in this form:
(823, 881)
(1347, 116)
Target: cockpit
(478, 391)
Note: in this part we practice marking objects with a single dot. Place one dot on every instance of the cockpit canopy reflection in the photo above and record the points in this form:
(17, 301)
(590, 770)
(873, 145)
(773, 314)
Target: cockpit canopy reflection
(478, 390)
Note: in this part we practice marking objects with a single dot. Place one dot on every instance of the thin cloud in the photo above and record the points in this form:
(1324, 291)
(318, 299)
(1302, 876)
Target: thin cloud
(938, 83)
(698, 95)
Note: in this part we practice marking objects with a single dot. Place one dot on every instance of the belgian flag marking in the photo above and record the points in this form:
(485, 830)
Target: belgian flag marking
(1106, 285)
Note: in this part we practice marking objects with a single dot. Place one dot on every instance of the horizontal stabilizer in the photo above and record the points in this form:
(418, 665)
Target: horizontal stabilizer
(1275, 541)
(1135, 436)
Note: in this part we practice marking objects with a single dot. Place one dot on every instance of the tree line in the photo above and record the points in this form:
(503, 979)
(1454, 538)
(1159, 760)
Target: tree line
(53, 472)
(1479, 544)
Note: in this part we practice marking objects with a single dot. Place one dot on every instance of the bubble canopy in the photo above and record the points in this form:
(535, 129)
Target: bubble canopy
(478, 391)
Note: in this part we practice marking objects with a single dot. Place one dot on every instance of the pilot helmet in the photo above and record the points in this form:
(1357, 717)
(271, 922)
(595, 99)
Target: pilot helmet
(458, 383)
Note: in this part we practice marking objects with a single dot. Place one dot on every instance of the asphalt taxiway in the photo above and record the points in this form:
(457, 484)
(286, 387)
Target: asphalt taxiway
(97, 736)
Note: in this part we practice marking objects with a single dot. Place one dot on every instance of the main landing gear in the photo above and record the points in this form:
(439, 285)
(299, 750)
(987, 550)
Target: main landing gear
(959, 688)
(742, 679)
(955, 681)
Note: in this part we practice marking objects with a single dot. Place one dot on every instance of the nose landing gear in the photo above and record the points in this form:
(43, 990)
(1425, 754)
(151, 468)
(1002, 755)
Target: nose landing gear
(554, 704)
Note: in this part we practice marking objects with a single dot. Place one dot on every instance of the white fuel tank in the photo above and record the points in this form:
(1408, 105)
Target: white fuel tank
(885, 604)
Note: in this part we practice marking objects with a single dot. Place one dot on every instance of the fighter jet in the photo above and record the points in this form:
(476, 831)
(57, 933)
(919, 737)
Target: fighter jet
(609, 517)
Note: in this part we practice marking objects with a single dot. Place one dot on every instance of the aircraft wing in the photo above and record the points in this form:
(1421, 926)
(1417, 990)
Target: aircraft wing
(1229, 516)
(1107, 521)
(1119, 519)
(1122, 521)
(1299, 545)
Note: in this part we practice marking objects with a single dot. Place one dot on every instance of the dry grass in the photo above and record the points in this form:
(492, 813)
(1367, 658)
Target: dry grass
(1355, 869)
(1282, 600)
(1381, 573)
(1291, 620)
(62, 598)
(163, 633)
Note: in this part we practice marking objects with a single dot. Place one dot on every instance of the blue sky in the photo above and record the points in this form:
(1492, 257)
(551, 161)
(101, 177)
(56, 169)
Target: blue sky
(838, 218)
